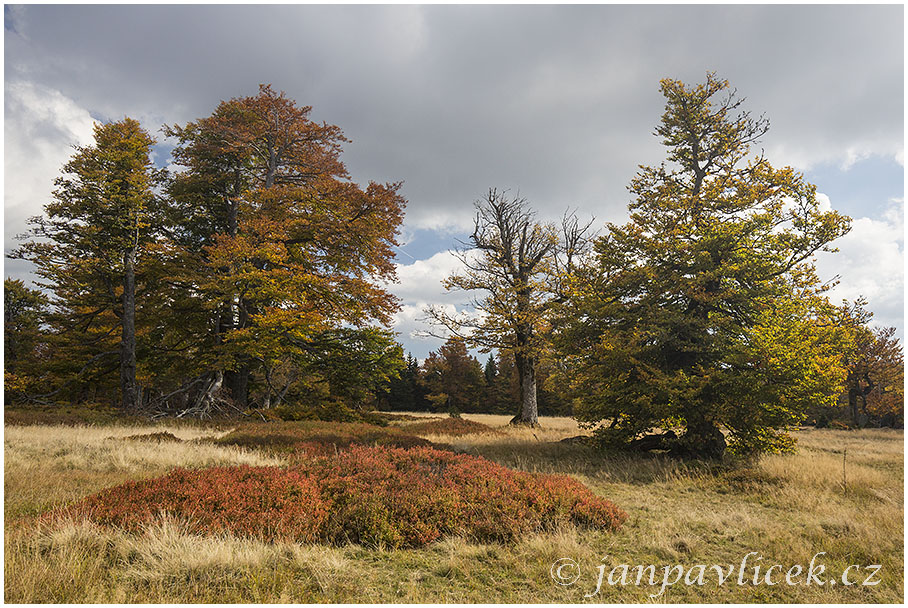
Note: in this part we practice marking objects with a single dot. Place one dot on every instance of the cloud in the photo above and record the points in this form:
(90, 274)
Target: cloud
(41, 126)
(415, 279)
(870, 263)
(420, 285)
(558, 101)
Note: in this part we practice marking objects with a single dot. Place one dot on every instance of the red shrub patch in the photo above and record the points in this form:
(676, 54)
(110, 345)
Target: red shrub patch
(390, 496)
(450, 426)
(267, 502)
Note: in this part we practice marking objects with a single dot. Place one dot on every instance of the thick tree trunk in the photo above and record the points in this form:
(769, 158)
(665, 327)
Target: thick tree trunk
(237, 382)
(702, 439)
(128, 386)
(529, 408)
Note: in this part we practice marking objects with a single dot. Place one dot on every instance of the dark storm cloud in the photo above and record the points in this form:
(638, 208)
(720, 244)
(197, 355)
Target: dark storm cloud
(558, 101)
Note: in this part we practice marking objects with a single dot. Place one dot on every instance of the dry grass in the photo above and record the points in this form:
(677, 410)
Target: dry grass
(46, 466)
(787, 508)
(165, 563)
(552, 429)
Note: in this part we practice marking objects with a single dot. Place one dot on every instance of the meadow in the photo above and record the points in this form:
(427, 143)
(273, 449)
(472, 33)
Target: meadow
(841, 494)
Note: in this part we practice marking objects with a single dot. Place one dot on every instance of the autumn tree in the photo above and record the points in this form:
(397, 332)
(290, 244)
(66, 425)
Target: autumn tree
(453, 378)
(283, 250)
(874, 362)
(703, 311)
(884, 404)
(24, 312)
(89, 247)
(521, 265)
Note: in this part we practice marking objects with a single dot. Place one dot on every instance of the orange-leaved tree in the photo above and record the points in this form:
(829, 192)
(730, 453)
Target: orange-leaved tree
(286, 254)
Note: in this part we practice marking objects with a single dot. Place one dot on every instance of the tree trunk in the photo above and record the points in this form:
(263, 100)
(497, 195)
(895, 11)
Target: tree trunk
(702, 439)
(853, 405)
(529, 409)
(129, 389)
(237, 382)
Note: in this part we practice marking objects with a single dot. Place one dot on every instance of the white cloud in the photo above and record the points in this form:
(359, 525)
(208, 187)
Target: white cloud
(41, 126)
(457, 220)
(422, 280)
(870, 262)
(419, 287)
(409, 323)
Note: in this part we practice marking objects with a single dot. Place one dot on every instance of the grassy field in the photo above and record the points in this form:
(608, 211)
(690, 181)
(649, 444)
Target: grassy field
(786, 508)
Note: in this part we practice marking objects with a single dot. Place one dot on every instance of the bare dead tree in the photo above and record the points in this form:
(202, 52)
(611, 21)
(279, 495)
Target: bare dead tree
(521, 266)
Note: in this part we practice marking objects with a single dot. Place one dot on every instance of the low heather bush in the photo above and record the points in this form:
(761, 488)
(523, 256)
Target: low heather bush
(375, 496)
(318, 438)
(161, 436)
(450, 426)
(264, 502)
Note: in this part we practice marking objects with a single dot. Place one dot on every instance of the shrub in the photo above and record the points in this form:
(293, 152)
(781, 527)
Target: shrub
(450, 426)
(318, 438)
(412, 497)
(375, 496)
(162, 436)
(325, 412)
(264, 502)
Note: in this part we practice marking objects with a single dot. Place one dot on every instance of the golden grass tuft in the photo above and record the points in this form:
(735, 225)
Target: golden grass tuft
(77, 556)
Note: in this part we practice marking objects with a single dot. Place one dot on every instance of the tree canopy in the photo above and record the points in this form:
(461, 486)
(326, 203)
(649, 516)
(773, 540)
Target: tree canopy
(703, 310)
(250, 268)
(94, 243)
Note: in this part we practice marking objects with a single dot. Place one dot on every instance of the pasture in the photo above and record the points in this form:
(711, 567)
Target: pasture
(782, 509)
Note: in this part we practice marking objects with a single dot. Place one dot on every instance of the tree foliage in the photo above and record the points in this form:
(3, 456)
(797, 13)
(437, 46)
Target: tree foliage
(875, 368)
(703, 312)
(286, 249)
(24, 345)
(259, 266)
(454, 379)
(93, 251)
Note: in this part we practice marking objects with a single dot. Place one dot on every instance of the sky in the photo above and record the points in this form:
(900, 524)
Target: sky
(555, 102)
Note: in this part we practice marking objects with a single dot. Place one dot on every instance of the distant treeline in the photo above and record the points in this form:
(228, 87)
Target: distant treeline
(451, 380)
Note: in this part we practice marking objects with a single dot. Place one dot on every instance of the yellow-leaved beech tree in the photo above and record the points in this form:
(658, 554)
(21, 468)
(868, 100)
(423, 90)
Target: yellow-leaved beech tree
(702, 315)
